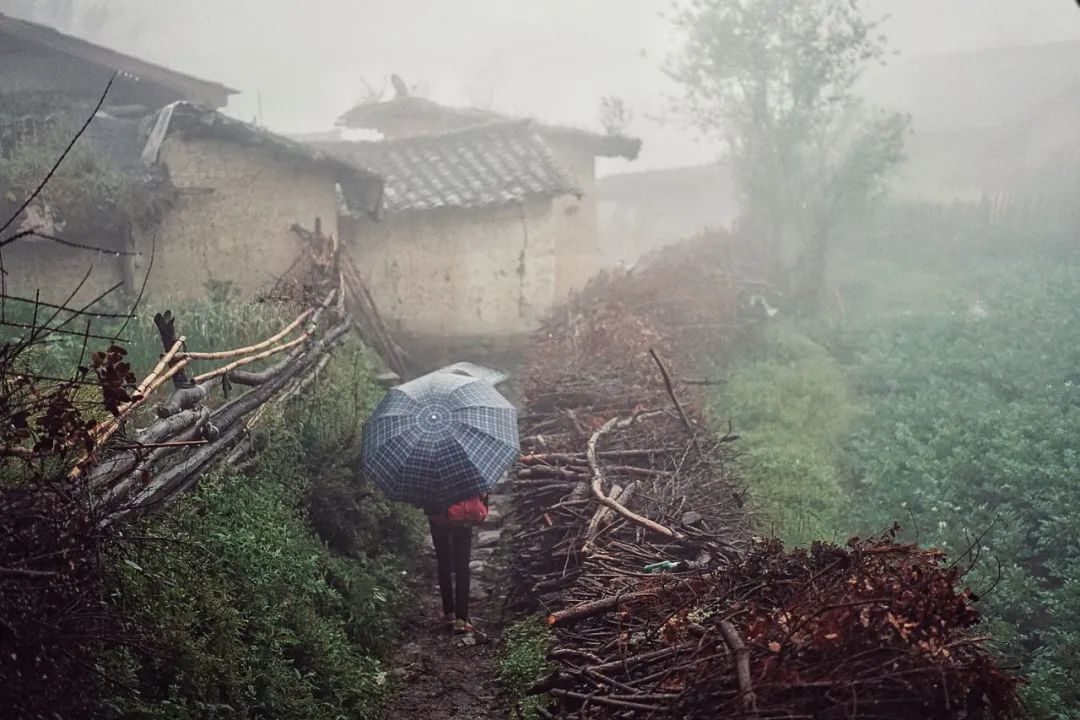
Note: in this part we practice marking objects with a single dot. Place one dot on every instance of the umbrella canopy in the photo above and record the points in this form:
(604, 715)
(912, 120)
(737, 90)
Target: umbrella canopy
(439, 439)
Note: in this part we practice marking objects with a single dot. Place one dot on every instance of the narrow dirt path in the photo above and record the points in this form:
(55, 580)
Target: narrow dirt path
(438, 678)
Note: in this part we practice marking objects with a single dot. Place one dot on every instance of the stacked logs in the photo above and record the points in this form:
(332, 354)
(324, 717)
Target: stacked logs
(631, 537)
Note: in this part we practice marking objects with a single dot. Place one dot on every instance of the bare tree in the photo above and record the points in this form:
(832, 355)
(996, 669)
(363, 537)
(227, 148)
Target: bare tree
(615, 116)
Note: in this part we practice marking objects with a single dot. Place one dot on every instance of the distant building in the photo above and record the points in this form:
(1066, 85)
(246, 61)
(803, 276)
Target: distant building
(645, 210)
(1002, 120)
(489, 221)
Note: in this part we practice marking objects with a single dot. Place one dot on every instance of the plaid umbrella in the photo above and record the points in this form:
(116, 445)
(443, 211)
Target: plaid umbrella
(439, 439)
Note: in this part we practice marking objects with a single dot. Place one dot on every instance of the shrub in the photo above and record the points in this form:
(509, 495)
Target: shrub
(249, 612)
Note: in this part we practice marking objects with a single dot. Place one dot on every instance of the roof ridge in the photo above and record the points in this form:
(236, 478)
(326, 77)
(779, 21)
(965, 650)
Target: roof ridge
(479, 128)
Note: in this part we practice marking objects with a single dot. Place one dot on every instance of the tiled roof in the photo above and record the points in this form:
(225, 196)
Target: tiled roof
(484, 166)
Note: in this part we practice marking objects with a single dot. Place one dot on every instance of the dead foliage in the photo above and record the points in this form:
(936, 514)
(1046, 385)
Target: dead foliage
(874, 630)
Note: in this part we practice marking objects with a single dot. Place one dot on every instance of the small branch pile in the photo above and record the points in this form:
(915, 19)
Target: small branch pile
(630, 534)
(873, 630)
(620, 470)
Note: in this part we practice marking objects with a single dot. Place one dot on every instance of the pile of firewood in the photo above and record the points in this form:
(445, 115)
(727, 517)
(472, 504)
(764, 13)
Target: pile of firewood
(875, 629)
(631, 536)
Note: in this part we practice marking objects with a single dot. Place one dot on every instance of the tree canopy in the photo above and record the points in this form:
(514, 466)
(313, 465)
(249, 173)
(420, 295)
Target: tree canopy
(776, 82)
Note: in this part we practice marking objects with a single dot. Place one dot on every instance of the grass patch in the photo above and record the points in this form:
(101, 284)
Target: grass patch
(790, 402)
(523, 662)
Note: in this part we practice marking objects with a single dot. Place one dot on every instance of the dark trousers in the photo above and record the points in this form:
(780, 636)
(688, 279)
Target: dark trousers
(453, 547)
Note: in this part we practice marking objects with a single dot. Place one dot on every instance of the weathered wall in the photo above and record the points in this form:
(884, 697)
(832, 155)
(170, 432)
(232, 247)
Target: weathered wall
(232, 217)
(574, 220)
(456, 273)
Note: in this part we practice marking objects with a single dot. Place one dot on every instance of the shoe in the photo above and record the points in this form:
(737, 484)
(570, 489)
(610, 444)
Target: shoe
(447, 622)
(468, 634)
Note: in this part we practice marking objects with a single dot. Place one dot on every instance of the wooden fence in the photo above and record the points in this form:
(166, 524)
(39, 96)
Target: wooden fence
(165, 457)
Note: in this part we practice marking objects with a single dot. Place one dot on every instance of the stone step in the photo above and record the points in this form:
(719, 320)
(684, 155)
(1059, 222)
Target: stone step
(487, 538)
(484, 554)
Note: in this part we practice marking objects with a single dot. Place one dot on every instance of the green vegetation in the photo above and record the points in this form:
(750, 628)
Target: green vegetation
(947, 400)
(271, 592)
(523, 661)
(87, 195)
(791, 404)
(974, 416)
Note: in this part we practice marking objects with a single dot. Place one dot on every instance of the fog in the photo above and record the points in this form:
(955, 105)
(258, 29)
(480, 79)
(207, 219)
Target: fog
(788, 311)
(298, 65)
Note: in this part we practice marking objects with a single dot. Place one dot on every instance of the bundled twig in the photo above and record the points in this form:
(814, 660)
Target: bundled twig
(630, 536)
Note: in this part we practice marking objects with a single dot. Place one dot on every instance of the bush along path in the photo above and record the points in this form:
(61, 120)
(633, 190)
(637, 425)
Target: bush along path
(441, 675)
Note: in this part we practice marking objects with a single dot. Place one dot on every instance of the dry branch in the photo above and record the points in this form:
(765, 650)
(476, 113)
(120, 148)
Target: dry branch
(252, 358)
(225, 354)
(598, 480)
(674, 612)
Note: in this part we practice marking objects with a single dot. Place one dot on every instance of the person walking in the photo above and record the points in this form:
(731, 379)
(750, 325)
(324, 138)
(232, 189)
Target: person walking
(441, 442)
(451, 534)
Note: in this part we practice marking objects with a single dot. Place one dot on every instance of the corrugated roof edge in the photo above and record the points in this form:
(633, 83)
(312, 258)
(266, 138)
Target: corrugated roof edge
(106, 57)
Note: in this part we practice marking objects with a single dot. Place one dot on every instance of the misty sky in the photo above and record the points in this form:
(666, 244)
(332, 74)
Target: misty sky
(551, 59)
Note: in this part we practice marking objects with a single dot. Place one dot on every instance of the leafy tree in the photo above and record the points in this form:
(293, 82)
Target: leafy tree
(775, 82)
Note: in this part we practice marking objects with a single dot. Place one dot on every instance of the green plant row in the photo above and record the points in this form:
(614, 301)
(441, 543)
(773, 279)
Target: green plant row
(953, 409)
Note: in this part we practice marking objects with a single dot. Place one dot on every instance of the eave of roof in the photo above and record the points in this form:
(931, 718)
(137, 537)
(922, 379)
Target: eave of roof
(212, 93)
(484, 166)
(599, 144)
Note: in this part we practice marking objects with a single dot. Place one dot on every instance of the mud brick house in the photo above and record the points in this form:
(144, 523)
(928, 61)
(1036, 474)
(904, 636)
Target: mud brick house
(229, 194)
(642, 211)
(239, 189)
(489, 220)
(220, 195)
